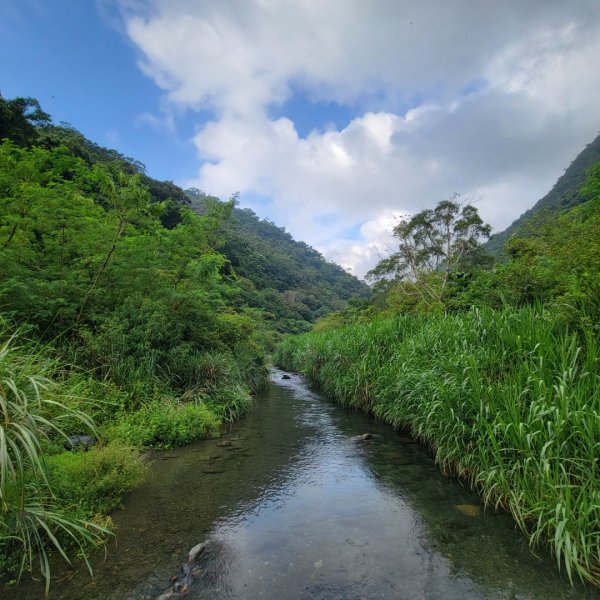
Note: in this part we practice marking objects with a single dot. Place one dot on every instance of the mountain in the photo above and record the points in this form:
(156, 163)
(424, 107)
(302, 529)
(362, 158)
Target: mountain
(290, 280)
(563, 196)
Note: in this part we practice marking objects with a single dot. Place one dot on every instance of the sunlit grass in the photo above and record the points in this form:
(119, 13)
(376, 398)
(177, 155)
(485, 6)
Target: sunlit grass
(509, 400)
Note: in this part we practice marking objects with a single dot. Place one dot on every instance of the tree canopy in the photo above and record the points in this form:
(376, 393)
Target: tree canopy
(432, 245)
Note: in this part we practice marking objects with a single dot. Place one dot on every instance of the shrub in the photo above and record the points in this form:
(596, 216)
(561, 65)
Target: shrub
(33, 406)
(93, 482)
(163, 423)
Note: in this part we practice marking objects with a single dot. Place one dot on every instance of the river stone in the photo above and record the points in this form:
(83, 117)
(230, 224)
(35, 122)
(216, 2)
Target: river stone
(196, 551)
(285, 377)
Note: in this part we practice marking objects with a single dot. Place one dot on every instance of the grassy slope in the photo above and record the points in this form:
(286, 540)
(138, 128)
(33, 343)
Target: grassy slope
(508, 400)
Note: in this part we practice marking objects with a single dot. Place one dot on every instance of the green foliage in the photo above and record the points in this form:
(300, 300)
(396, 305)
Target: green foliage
(32, 409)
(19, 118)
(163, 423)
(565, 194)
(84, 255)
(509, 400)
(289, 282)
(432, 245)
(94, 482)
(113, 270)
(556, 263)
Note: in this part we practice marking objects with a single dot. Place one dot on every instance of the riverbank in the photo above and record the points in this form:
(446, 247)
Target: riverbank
(58, 501)
(292, 504)
(508, 400)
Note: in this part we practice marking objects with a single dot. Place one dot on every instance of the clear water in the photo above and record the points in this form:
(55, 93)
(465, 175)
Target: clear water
(293, 506)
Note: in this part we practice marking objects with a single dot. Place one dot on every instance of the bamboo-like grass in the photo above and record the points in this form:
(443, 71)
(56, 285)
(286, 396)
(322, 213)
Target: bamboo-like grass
(508, 400)
(32, 410)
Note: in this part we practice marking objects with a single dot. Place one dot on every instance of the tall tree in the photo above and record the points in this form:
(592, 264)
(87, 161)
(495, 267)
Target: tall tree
(432, 245)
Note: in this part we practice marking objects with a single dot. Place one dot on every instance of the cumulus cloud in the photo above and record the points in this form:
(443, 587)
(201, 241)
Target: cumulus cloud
(488, 99)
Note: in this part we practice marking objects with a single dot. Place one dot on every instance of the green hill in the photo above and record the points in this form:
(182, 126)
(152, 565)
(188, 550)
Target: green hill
(291, 281)
(287, 285)
(564, 195)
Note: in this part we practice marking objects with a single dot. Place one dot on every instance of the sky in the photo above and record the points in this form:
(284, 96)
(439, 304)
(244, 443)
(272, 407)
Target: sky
(332, 118)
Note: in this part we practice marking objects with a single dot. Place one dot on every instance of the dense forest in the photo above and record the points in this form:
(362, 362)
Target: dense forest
(494, 366)
(132, 315)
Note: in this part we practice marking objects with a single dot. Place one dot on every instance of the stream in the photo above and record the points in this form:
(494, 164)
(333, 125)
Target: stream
(293, 504)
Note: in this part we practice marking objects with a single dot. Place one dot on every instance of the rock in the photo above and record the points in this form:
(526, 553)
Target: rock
(285, 377)
(75, 442)
(182, 582)
(196, 551)
(364, 437)
(470, 510)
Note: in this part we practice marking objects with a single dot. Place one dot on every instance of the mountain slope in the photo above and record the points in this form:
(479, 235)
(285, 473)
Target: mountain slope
(564, 195)
(291, 281)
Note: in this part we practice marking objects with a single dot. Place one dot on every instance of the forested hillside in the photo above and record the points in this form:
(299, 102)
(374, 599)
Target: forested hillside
(564, 195)
(291, 281)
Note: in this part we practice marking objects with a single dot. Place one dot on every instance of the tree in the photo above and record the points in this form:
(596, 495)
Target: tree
(432, 246)
(19, 118)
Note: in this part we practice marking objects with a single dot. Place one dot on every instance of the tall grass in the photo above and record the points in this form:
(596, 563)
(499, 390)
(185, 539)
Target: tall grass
(31, 412)
(508, 400)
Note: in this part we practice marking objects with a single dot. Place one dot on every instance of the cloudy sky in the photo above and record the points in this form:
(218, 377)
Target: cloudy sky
(330, 117)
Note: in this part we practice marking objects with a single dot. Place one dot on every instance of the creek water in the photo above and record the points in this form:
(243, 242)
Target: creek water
(292, 505)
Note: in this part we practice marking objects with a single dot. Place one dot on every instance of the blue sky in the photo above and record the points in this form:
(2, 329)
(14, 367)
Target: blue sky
(330, 118)
(75, 59)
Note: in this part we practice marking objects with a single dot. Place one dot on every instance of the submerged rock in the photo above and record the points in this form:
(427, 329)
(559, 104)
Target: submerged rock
(182, 582)
(471, 510)
(363, 437)
(285, 377)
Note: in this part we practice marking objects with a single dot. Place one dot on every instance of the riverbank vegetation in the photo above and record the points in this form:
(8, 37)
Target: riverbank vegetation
(123, 323)
(494, 366)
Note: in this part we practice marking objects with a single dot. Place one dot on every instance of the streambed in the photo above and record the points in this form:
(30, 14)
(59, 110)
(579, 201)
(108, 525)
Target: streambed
(292, 504)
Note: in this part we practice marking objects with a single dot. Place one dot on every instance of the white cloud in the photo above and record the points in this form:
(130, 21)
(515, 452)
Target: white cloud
(488, 99)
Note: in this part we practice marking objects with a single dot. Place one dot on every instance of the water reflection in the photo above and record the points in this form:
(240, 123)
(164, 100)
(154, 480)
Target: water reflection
(294, 506)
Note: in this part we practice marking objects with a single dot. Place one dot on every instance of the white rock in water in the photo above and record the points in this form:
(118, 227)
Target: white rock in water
(196, 551)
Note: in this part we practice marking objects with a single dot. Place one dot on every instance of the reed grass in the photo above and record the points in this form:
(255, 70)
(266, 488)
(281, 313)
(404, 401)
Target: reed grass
(509, 400)
(32, 410)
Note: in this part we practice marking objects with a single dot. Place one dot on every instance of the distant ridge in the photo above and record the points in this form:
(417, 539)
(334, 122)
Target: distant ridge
(564, 195)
